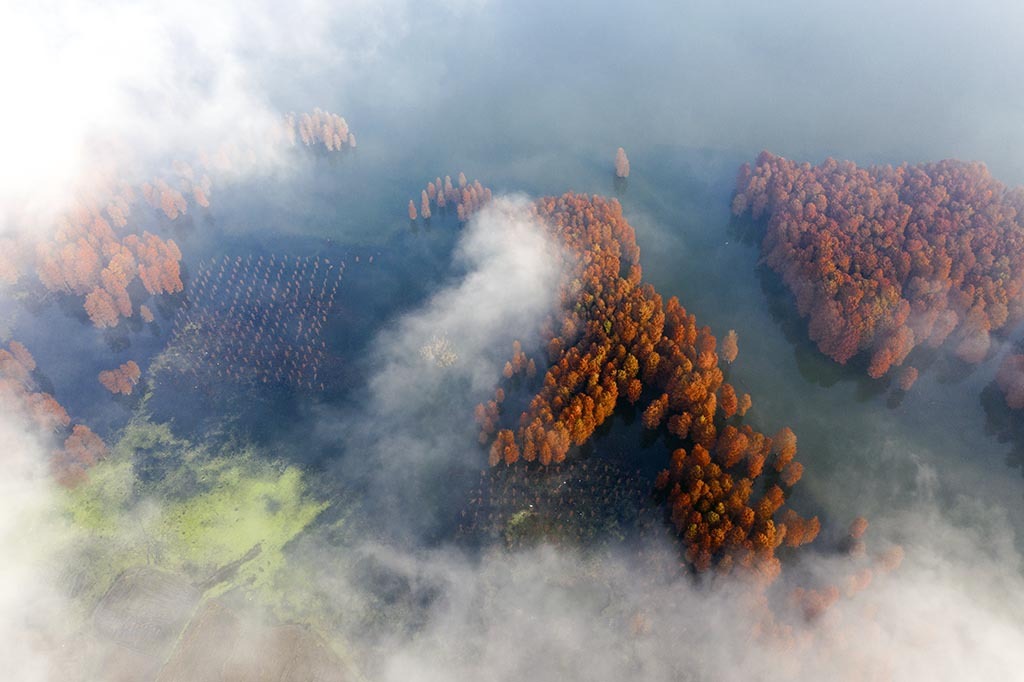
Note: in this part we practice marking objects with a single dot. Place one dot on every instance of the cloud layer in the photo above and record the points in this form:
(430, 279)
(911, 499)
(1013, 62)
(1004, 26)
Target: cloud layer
(417, 417)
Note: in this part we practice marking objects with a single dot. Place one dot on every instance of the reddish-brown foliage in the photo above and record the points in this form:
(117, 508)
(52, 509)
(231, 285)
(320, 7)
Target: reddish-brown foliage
(883, 259)
(85, 446)
(18, 391)
(22, 355)
(799, 531)
(329, 129)
(655, 412)
(82, 449)
(891, 559)
(621, 163)
(858, 527)
(467, 198)
(813, 603)
(907, 378)
(613, 337)
(85, 257)
(158, 263)
(504, 448)
(425, 205)
(122, 379)
(730, 346)
(727, 400)
(10, 368)
(101, 308)
(745, 404)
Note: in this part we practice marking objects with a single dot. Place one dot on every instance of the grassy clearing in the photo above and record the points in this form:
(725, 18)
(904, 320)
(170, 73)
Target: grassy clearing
(164, 502)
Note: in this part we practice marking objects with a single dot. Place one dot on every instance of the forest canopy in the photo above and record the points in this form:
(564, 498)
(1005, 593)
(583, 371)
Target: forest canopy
(884, 259)
(616, 340)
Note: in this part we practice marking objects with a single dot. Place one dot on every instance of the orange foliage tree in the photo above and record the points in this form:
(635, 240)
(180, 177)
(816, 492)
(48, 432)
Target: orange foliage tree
(906, 378)
(621, 163)
(730, 346)
(122, 379)
(467, 197)
(613, 337)
(82, 449)
(884, 259)
(330, 130)
(18, 395)
(86, 257)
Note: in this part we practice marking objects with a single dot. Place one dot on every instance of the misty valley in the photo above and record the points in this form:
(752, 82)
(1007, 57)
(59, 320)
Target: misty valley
(378, 343)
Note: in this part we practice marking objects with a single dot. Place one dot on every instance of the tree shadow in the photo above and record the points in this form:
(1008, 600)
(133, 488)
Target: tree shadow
(1006, 424)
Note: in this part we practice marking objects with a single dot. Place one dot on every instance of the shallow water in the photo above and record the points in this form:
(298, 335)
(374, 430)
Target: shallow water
(544, 121)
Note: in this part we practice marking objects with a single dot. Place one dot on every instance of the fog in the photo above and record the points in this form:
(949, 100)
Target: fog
(535, 97)
(411, 432)
(35, 609)
(868, 81)
(950, 612)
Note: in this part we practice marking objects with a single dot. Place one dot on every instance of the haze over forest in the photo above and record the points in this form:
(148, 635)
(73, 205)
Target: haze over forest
(380, 340)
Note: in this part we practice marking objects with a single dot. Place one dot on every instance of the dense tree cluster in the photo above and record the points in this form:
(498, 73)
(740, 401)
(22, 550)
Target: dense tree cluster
(163, 197)
(87, 257)
(82, 449)
(121, 379)
(19, 395)
(18, 392)
(884, 259)
(906, 378)
(462, 196)
(323, 127)
(319, 130)
(616, 337)
(96, 254)
(258, 319)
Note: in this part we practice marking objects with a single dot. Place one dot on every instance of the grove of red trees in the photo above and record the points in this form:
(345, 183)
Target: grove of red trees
(18, 395)
(18, 390)
(615, 336)
(82, 449)
(883, 259)
(122, 379)
(730, 346)
(322, 127)
(465, 197)
(87, 258)
(95, 253)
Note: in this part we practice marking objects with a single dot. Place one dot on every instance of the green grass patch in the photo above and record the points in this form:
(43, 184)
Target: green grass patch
(161, 501)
